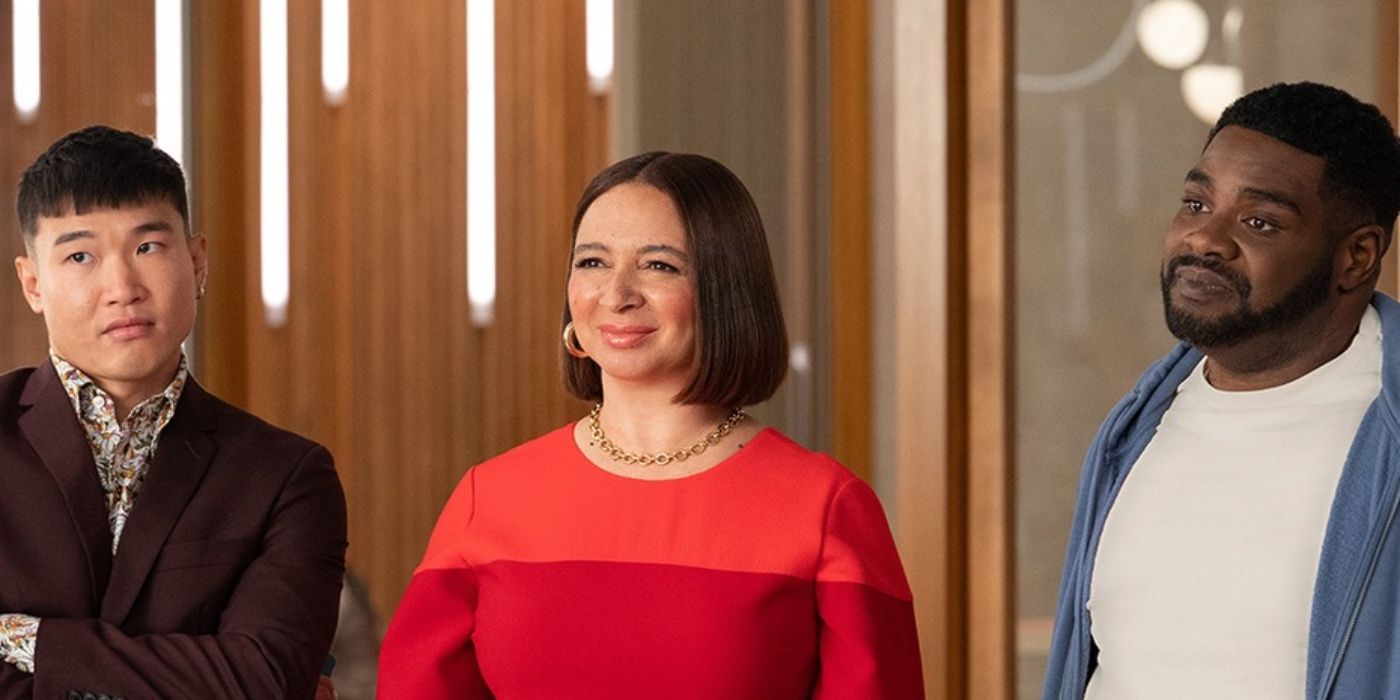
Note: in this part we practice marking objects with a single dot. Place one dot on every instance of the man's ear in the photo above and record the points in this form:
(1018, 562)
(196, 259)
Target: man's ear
(1359, 257)
(199, 255)
(28, 274)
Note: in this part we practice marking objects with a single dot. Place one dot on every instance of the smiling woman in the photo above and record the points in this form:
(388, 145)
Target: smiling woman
(632, 289)
(691, 215)
(566, 567)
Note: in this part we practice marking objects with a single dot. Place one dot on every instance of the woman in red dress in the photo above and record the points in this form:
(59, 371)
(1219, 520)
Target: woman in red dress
(666, 545)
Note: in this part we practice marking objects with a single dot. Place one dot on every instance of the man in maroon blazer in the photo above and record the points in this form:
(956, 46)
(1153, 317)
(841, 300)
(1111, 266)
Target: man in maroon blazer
(154, 540)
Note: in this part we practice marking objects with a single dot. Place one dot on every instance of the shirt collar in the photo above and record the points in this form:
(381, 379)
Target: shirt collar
(93, 404)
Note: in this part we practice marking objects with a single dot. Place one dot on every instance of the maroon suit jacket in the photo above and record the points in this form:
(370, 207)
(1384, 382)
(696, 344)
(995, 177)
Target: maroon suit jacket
(228, 577)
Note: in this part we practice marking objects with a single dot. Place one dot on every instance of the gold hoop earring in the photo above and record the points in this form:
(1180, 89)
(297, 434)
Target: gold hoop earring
(571, 344)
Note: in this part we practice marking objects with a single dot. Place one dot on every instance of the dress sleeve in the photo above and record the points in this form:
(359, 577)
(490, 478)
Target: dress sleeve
(868, 644)
(428, 651)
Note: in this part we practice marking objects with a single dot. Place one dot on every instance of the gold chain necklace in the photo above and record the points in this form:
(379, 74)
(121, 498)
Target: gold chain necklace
(661, 459)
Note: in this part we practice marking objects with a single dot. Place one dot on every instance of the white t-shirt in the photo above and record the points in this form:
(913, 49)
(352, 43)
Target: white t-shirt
(1204, 574)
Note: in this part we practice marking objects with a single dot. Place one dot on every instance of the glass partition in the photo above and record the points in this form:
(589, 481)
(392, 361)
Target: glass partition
(1113, 102)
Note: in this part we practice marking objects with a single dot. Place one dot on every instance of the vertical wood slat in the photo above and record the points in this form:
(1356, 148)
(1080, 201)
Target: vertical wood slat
(14, 313)
(1388, 99)
(404, 230)
(1386, 66)
(379, 359)
(97, 66)
(951, 146)
(22, 343)
(850, 262)
(959, 155)
(927, 524)
(990, 343)
(219, 182)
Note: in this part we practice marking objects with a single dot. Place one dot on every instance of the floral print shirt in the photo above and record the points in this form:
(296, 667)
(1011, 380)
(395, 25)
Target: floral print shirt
(122, 451)
(17, 635)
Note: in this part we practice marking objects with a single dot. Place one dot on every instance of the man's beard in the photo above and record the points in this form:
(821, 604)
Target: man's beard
(1242, 324)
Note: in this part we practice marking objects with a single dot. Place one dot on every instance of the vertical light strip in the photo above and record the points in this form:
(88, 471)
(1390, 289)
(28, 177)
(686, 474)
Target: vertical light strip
(170, 78)
(335, 49)
(25, 28)
(274, 201)
(481, 159)
(599, 21)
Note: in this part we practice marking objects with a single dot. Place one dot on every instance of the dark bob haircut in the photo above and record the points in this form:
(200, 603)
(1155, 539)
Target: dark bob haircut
(741, 342)
(98, 167)
(1355, 140)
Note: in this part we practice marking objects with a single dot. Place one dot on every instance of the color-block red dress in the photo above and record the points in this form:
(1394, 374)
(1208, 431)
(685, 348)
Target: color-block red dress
(770, 575)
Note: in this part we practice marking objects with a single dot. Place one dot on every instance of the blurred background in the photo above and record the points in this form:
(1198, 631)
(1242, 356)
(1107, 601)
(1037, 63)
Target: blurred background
(965, 202)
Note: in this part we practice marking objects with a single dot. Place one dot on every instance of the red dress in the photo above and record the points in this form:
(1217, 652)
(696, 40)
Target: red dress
(770, 575)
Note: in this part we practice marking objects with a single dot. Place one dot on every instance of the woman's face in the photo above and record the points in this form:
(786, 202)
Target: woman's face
(632, 288)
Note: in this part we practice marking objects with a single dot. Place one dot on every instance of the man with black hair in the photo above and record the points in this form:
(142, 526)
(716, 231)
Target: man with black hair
(154, 540)
(1235, 528)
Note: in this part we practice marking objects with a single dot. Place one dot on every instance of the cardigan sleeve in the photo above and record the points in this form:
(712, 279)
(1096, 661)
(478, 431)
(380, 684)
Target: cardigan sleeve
(868, 644)
(428, 651)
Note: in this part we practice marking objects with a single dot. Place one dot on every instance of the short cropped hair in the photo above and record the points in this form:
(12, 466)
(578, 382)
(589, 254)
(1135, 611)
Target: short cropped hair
(98, 167)
(741, 345)
(1355, 140)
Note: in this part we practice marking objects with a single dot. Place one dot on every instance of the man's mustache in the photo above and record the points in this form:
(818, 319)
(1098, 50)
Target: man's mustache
(1236, 280)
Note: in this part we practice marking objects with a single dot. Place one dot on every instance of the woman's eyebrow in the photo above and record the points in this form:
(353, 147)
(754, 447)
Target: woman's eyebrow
(662, 248)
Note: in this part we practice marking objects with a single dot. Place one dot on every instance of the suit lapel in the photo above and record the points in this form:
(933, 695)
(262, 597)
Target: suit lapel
(183, 454)
(52, 429)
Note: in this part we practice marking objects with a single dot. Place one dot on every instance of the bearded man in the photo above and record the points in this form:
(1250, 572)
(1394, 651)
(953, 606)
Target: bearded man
(1235, 526)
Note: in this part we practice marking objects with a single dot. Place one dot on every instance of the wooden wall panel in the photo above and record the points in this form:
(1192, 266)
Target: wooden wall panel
(942, 170)
(22, 342)
(223, 103)
(1388, 99)
(914, 189)
(408, 220)
(979, 345)
(987, 400)
(379, 358)
(97, 67)
(850, 264)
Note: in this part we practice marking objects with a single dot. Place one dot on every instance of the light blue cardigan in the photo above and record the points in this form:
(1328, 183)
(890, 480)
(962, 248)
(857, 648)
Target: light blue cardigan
(1354, 632)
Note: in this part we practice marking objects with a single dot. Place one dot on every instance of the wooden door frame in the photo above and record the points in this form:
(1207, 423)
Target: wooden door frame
(921, 167)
